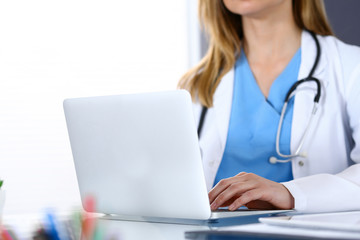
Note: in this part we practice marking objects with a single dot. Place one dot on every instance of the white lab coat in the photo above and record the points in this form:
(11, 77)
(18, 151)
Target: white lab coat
(329, 179)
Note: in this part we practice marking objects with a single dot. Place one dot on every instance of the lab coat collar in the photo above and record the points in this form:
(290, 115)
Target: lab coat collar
(222, 106)
(308, 55)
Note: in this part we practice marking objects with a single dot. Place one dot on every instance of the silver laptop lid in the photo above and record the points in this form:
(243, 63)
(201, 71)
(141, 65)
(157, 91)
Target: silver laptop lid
(138, 154)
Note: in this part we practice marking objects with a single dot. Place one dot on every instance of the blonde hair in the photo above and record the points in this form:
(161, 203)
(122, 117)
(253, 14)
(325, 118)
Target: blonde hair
(225, 33)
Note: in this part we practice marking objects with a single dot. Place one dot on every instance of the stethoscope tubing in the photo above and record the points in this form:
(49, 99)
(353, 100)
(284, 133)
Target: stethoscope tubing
(289, 95)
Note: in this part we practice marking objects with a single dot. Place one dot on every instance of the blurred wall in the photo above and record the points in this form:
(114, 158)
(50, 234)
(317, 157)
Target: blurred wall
(345, 18)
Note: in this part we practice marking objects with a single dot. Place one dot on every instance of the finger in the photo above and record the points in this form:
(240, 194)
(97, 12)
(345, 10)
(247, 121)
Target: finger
(260, 205)
(220, 187)
(241, 174)
(245, 198)
(233, 191)
(230, 201)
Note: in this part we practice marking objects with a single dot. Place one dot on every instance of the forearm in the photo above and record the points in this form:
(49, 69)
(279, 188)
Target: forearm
(327, 192)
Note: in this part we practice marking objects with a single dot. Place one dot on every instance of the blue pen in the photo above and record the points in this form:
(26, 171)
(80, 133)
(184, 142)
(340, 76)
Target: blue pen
(51, 227)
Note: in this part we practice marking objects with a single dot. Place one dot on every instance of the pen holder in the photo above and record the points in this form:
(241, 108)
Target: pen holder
(2, 203)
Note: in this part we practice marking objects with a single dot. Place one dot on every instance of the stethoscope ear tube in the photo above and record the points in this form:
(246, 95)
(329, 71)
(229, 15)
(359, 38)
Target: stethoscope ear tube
(290, 93)
(318, 93)
(308, 79)
(202, 118)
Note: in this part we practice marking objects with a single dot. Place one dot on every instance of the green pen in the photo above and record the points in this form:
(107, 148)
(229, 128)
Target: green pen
(1, 183)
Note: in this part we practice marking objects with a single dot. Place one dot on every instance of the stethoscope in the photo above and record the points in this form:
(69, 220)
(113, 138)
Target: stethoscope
(289, 95)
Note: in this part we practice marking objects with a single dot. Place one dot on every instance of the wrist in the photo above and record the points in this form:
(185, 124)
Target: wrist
(290, 201)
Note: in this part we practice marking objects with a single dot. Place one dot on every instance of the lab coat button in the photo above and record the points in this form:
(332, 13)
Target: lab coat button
(301, 163)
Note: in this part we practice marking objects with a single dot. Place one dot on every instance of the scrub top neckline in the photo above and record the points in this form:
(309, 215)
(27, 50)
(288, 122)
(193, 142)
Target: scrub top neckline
(253, 124)
(275, 98)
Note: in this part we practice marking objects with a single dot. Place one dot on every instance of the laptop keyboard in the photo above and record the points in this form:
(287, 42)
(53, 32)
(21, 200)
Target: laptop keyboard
(237, 210)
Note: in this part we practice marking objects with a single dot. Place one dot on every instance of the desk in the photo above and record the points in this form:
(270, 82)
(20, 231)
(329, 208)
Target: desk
(131, 230)
(143, 230)
(128, 230)
(259, 230)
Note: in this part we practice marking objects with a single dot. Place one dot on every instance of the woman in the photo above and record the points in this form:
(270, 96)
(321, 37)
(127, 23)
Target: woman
(258, 50)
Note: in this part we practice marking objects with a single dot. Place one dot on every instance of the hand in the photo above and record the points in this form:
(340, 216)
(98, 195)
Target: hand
(252, 191)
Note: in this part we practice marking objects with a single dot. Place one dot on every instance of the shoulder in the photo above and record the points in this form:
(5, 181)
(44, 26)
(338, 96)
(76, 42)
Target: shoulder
(332, 43)
(345, 58)
(348, 56)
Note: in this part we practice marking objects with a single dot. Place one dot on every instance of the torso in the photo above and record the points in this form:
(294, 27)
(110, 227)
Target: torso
(329, 148)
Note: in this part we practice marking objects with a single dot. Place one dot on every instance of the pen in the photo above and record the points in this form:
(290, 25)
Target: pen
(50, 227)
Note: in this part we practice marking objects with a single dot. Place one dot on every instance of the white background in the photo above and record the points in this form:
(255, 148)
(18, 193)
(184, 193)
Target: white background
(56, 49)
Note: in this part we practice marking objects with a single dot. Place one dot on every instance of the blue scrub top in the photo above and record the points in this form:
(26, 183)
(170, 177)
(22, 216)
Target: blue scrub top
(253, 124)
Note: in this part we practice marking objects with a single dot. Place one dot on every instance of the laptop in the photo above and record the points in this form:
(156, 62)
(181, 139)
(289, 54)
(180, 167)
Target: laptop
(137, 155)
